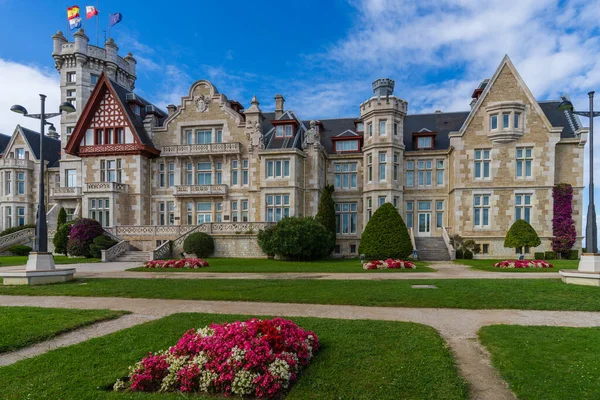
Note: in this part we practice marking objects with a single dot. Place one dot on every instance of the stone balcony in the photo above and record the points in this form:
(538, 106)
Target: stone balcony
(106, 187)
(201, 149)
(16, 163)
(200, 190)
(65, 192)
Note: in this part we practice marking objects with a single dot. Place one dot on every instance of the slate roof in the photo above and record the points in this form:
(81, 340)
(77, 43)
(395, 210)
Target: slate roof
(569, 121)
(51, 146)
(442, 123)
(272, 142)
(4, 139)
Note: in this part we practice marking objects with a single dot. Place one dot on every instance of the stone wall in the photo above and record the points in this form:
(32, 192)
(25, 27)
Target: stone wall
(237, 246)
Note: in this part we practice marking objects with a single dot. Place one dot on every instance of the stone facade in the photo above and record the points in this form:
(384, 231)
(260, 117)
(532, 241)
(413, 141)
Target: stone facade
(207, 160)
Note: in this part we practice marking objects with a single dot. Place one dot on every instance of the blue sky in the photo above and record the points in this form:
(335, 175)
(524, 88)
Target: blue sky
(321, 55)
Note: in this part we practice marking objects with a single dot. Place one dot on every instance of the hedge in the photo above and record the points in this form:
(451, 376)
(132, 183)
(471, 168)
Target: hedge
(14, 229)
(298, 238)
(101, 243)
(20, 250)
(385, 236)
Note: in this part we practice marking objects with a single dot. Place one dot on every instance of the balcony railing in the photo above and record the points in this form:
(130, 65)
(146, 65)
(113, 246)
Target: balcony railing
(16, 163)
(200, 190)
(65, 192)
(104, 187)
(194, 149)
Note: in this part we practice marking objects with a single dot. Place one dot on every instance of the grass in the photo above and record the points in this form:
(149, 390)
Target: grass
(276, 266)
(545, 362)
(488, 265)
(23, 326)
(7, 261)
(531, 294)
(358, 360)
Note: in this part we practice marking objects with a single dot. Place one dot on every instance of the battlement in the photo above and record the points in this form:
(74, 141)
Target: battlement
(383, 87)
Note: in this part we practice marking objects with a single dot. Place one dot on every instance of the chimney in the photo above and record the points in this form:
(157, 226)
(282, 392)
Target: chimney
(237, 106)
(279, 101)
(477, 92)
(52, 132)
(171, 108)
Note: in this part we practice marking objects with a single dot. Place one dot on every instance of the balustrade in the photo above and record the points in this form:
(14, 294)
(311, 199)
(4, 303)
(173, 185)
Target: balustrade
(106, 187)
(200, 190)
(193, 149)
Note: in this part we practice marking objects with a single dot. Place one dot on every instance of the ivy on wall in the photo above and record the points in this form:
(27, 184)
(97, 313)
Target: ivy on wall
(563, 226)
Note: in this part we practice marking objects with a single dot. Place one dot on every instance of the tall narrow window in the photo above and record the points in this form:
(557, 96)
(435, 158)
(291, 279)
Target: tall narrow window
(516, 120)
(244, 206)
(505, 120)
(7, 183)
(100, 211)
(482, 164)
(219, 174)
(245, 172)
(120, 135)
(382, 128)
(189, 174)
(20, 216)
(71, 178)
(425, 172)
(493, 122)
(8, 217)
(523, 207)
(278, 207)
(369, 207)
(439, 214)
(410, 173)
(288, 131)
(20, 154)
(203, 173)
(380, 201)
(219, 214)
(234, 172)
(396, 166)
(346, 218)
(162, 217)
(481, 210)
(171, 216)
(370, 168)
(219, 136)
(370, 128)
(190, 213)
(171, 174)
(189, 137)
(395, 129)
(20, 183)
(524, 161)
(161, 175)
(409, 214)
(382, 166)
(279, 131)
(71, 77)
(439, 169)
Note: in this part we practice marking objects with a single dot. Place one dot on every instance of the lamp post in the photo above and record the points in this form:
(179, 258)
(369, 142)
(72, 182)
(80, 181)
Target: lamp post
(41, 229)
(591, 232)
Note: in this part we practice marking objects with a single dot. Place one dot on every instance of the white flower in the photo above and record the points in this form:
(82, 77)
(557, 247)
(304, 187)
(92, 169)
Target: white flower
(119, 386)
(237, 355)
(243, 382)
(200, 359)
(281, 369)
(206, 331)
(206, 379)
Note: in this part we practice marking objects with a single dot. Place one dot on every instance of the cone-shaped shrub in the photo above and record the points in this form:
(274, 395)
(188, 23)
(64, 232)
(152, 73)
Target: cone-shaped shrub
(385, 236)
(62, 217)
(521, 234)
(326, 213)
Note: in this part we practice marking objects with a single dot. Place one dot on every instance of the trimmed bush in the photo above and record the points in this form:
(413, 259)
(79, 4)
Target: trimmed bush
(20, 250)
(468, 255)
(460, 254)
(199, 243)
(62, 217)
(61, 238)
(14, 229)
(301, 239)
(83, 232)
(265, 240)
(521, 234)
(574, 255)
(385, 236)
(539, 255)
(550, 255)
(101, 243)
(326, 213)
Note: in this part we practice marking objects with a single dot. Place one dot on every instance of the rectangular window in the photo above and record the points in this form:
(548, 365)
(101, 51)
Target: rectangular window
(524, 161)
(71, 177)
(99, 136)
(204, 173)
(370, 168)
(203, 212)
(516, 120)
(190, 213)
(481, 210)
(219, 136)
(219, 214)
(410, 173)
(395, 129)
(409, 214)
(370, 127)
(346, 218)
(523, 207)
(440, 172)
(278, 207)
(189, 137)
(110, 170)
(278, 168)
(204, 137)
(120, 135)
(71, 96)
(68, 132)
(382, 166)
(360, 127)
(20, 182)
(381, 200)
(482, 164)
(345, 176)
(505, 120)
(244, 207)
(20, 154)
(439, 214)
(171, 174)
(189, 174)
(94, 78)
(396, 198)
(485, 248)
(493, 122)
(425, 172)
(279, 131)
(425, 142)
(382, 128)
(100, 211)
(8, 217)
(171, 214)
(245, 172)
(161, 175)
(219, 173)
(234, 172)
(369, 208)
(71, 77)
(7, 183)
(396, 166)
(288, 131)
(346, 145)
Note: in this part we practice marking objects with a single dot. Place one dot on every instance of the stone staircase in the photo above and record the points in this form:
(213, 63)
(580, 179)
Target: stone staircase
(431, 249)
(134, 256)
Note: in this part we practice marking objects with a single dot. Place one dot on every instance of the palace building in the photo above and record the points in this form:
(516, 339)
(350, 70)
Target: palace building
(208, 163)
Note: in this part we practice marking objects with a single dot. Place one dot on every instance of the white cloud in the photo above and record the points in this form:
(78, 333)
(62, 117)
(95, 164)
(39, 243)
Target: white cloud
(22, 84)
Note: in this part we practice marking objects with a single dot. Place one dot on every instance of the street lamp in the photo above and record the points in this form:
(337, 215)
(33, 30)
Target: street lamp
(591, 232)
(38, 262)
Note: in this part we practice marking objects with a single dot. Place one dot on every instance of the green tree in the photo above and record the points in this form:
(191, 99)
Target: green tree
(385, 236)
(199, 243)
(326, 213)
(62, 217)
(521, 234)
(61, 238)
(299, 238)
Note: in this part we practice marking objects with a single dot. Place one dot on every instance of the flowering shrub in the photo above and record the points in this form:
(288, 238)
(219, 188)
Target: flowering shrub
(82, 234)
(259, 358)
(389, 264)
(523, 264)
(182, 263)
(563, 226)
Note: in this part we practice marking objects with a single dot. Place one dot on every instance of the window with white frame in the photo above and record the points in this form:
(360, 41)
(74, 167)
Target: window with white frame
(219, 172)
(370, 168)
(203, 212)
(410, 173)
(482, 163)
(481, 210)
(493, 122)
(20, 216)
(203, 173)
(189, 173)
(369, 207)
(345, 176)
(171, 174)
(425, 142)
(409, 214)
(396, 166)
(234, 172)
(524, 161)
(278, 207)
(278, 168)
(71, 96)
(523, 207)
(20, 182)
(439, 214)
(219, 213)
(7, 183)
(346, 218)
(382, 165)
(234, 211)
(171, 212)
(20, 154)
(370, 129)
(71, 77)
(424, 172)
(380, 201)
(245, 173)
(100, 211)
(190, 213)
(189, 137)
(244, 207)
(439, 170)
(382, 127)
(219, 136)
(505, 120)
(204, 136)
(110, 170)
(346, 145)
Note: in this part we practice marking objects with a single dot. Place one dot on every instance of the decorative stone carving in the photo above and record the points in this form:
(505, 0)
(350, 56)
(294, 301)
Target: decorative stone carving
(201, 103)
(257, 138)
(311, 137)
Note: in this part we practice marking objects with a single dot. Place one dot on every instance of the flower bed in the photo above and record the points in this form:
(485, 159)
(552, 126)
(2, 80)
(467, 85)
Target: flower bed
(258, 358)
(523, 264)
(182, 263)
(389, 264)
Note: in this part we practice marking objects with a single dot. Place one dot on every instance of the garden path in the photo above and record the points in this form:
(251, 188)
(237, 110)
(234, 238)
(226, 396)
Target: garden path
(458, 327)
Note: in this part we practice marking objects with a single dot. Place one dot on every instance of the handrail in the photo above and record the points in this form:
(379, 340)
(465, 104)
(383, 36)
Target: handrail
(449, 247)
(412, 241)
(115, 251)
(162, 251)
(168, 248)
(16, 237)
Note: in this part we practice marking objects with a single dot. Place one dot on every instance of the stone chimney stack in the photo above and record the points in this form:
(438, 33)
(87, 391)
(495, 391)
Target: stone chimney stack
(171, 108)
(279, 101)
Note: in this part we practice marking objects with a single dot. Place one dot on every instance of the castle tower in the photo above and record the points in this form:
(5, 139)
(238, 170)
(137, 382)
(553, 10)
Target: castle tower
(383, 118)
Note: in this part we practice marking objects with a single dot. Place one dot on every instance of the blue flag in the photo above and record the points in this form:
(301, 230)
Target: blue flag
(114, 19)
(75, 23)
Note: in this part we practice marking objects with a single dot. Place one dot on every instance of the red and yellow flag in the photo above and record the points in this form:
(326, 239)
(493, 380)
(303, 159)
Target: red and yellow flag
(72, 12)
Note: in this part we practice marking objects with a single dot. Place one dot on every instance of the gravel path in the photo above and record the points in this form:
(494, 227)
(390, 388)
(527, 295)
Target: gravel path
(458, 327)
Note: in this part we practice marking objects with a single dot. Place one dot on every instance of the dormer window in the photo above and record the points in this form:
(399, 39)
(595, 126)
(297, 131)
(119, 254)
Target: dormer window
(20, 154)
(346, 145)
(284, 131)
(279, 131)
(360, 127)
(136, 109)
(425, 142)
(288, 131)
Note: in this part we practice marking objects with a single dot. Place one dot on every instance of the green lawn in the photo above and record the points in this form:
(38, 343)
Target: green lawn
(545, 362)
(533, 294)
(24, 326)
(275, 266)
(358, 360)
(488, 265)
(6, 261)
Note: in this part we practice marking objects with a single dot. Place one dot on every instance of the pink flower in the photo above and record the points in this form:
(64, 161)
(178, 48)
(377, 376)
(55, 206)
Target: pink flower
(181, 263)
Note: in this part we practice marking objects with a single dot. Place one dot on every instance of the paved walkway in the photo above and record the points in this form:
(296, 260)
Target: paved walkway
(458, 327)
(445, 270)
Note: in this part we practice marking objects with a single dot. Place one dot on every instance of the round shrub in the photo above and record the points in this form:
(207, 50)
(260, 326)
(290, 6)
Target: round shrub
(459, 254)
(83, 232)
(468, 255)
(20, 250)
(199, 243)
(385, 236)
(265, 240)
(101, 243)
(301, 238)
(521, 234)
(61, 238)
